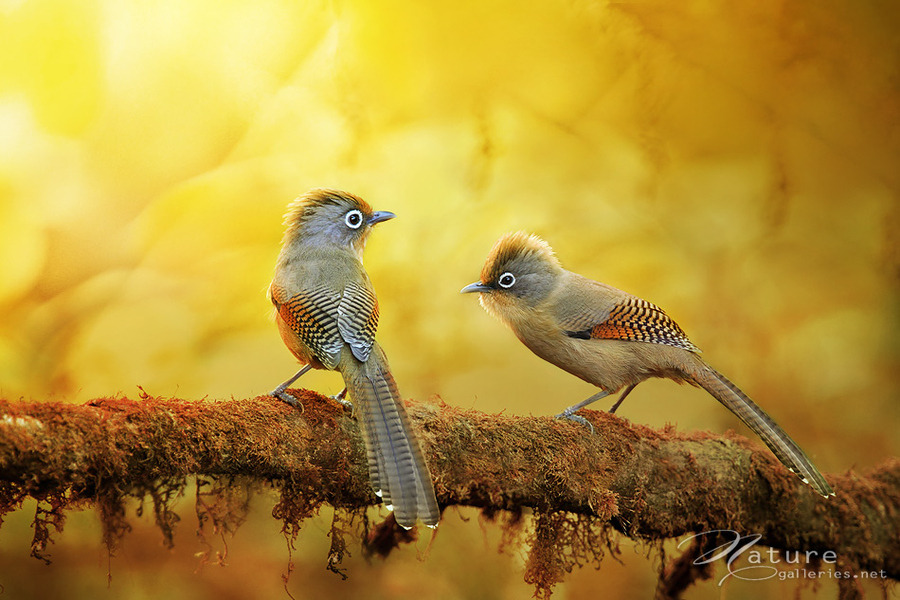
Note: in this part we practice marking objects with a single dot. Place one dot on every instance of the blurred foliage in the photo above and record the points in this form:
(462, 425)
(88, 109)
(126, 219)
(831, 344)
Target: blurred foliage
(736, 163)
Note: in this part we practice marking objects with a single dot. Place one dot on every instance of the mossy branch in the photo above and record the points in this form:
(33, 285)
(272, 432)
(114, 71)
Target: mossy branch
(646, 483)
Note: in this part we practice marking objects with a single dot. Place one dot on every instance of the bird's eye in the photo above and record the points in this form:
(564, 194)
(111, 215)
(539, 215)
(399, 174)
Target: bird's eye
(506, 280)
(353, 219)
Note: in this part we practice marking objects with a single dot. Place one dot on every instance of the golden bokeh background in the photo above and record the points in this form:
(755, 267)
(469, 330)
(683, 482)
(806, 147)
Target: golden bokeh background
(737, 163)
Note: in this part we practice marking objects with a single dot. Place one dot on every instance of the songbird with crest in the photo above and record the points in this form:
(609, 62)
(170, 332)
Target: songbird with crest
(327, 313)
(610, 338)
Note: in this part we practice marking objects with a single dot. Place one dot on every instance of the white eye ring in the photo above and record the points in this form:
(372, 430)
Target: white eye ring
(353, 219)
(507, 280)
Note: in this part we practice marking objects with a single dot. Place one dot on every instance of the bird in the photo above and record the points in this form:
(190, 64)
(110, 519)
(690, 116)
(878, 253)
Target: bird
(610, 338)
(327, 312)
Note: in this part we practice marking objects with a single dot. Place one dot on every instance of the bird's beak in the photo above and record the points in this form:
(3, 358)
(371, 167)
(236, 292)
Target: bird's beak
(380, 215)
(475, 287)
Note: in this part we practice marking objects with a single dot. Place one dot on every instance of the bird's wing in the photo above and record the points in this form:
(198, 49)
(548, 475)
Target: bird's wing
(358, 319)
(623, 317)
(314, 316)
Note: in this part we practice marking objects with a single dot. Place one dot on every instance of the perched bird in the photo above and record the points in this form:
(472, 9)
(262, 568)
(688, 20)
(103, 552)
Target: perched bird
(327, 314)
(610, 338)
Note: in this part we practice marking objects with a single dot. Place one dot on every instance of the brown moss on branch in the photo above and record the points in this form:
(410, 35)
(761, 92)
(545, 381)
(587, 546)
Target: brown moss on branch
(647, 484)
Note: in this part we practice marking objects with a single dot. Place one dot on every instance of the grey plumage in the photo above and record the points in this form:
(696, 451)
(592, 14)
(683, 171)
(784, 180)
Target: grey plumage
(397, 468)
(327, 313)
(779, 442)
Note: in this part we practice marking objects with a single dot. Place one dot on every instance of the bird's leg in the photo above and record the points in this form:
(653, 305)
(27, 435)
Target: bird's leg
(340, 397)
(569, 413)
(282, 395)
(622, 397)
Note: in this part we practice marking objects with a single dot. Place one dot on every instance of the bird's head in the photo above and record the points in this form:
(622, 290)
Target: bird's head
(519, 273)
(331, 218)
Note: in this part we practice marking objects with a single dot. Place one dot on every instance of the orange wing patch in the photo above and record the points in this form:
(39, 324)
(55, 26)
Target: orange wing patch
(309, 314)
(637, 320)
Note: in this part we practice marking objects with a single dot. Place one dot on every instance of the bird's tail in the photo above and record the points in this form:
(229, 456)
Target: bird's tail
(397, 469)
(779, 442)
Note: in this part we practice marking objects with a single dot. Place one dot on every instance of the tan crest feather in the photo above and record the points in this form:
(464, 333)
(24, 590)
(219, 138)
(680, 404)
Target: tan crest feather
(300, 209)
(519, 245)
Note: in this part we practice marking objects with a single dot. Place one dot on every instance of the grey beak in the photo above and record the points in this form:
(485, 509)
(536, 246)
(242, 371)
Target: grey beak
(380, 215)
(475, 287)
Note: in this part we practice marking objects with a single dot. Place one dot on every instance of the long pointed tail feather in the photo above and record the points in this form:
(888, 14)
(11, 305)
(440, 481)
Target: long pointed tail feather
(397, 469)
(779, 442)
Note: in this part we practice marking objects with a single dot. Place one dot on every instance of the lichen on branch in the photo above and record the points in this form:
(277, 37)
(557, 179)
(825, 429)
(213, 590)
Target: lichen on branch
(584, 489)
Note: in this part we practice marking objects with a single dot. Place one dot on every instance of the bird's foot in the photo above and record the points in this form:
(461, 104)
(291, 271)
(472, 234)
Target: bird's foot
(341, 397)
(576, 418)
(286, 398)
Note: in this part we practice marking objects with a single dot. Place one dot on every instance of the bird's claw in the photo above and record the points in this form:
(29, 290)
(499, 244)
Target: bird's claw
(345, 403)
(340, 397)
(286, 398)
(576, 418)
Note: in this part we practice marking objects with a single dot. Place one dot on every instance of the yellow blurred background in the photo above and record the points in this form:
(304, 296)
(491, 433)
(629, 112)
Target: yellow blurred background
(737, 163)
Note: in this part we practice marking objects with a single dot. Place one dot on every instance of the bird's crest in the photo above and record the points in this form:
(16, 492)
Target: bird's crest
(301, 208)
(519, 246)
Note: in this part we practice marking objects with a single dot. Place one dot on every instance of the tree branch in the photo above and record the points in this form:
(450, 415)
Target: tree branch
(648, 484)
